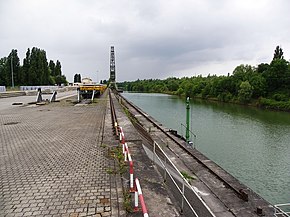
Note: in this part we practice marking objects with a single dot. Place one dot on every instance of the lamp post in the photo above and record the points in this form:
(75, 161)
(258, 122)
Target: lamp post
(187, 119)
(12, 77)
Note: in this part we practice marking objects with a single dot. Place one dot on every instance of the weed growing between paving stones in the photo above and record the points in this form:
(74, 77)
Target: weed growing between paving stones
(104, 145)
(111, 171)
(123, 166)
(186, 176)
(117, 154)
(128, 202)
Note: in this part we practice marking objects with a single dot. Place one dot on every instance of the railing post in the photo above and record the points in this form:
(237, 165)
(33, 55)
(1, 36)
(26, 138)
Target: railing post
(165, 164)
(136, 201)
(78, 93)
(154, 152)
(182, 200)
(125, 155)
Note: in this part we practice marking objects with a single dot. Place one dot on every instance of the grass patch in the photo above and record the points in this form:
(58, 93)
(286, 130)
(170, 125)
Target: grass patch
(128, 202)
(187, 176)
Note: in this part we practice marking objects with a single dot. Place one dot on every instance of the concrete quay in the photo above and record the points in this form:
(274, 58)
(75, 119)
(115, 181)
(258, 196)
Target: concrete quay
(52, 162)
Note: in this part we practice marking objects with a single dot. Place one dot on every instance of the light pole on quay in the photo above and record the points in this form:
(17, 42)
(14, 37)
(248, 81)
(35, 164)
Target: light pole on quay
(12, 77)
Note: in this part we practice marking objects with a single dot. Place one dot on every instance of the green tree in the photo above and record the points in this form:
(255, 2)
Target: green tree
(77, 78)
(259, 85)
(13, 63)
(278, 53)
(58, 68)
(243, 72)
(60, 79)
(262, 68)
(4, 71)
(277, 75)
(172, 84)
(245, 92)
(51, 66)
(43, 67)
(25, 68)
(33, 74)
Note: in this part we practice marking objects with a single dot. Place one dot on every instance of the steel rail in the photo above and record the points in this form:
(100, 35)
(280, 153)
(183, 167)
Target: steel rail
(113, 114)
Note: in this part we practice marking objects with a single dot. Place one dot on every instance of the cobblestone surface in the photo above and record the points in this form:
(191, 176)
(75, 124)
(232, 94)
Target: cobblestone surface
(52, 162)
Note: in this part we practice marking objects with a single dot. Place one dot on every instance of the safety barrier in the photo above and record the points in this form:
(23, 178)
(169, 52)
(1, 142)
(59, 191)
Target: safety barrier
(186, 191)
(39, 95)
(2, 89)
(122, 139)
(138, 193)
(53, 97)
(133, 188)
(131, 170)
(23, 88)
(282, 210)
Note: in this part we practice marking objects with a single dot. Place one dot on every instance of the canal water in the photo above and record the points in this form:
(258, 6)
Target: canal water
(251, 144)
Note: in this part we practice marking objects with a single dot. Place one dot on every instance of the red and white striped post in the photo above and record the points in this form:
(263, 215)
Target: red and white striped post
(131, 168)
(122, 139)
(142, 202)
(120, 133)
(126, 152)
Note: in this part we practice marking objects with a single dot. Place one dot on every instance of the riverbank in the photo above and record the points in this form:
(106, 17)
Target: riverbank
(262, 103)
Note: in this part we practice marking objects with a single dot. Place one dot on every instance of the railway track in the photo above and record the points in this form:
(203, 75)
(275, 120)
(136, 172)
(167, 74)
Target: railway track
(113, 114)
(248, 201)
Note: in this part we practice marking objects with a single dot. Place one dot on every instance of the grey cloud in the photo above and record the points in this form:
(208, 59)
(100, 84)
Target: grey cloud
(152, 38)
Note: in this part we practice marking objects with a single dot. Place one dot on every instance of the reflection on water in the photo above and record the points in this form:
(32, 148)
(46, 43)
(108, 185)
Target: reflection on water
(250, 143)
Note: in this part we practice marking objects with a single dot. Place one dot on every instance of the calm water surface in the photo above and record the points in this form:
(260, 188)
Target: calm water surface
(251, 144)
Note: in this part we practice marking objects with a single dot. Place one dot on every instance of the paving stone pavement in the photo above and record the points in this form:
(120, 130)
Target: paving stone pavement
(52, 162)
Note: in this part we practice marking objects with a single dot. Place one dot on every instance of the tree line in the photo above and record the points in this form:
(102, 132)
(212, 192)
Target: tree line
(36, 70)
(267, 85)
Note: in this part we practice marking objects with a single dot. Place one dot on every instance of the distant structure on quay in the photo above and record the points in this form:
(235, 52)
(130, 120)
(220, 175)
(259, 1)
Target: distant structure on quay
(112, 66)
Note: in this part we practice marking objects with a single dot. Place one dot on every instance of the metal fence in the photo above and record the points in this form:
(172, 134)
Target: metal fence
(24, 88)
(2, 89)
(282, 210)
(184, 193)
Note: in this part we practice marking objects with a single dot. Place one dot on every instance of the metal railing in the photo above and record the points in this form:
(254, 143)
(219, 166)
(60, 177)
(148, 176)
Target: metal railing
(23, 88)
(186, 191)
(282, 210)
(2, 89)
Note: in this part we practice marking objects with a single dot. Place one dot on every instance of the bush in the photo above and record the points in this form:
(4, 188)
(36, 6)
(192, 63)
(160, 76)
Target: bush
(225, 97)
(280, 97)
(273, 104)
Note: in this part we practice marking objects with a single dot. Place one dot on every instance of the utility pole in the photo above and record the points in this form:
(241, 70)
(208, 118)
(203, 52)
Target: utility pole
(187, 120)
(12, 77)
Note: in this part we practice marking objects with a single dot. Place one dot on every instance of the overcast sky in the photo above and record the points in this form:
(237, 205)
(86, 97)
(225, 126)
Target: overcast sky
(152, 38)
